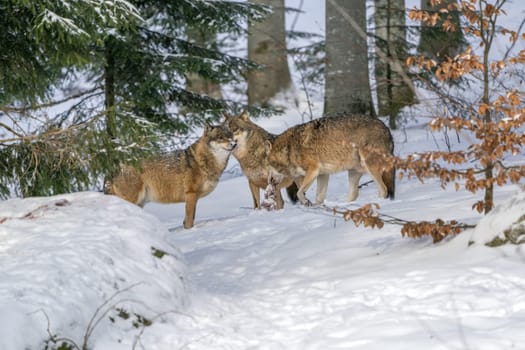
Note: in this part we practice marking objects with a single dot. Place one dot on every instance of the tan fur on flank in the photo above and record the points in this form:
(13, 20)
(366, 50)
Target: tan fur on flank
(356, 143)
(181, 176)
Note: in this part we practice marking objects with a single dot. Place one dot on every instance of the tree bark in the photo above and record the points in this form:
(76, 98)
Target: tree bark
(267, 47)
(347, 84)
(196, 82)
(110, 107)
(109, 90)
(393, 93)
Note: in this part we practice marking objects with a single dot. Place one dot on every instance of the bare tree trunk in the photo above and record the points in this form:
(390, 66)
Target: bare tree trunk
(393, 93)
(196, 82)
(267, 47)
(347, 84)
(110, 105)
(109, 90)
(435, 43)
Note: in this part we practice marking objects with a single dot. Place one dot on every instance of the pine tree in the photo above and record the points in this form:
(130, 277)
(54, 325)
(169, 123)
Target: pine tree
(126, 70)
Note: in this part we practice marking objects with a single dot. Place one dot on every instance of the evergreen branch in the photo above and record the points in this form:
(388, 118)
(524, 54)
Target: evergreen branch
(8, 128)
(48, 134)
(13, 120)
(66, 114)
(23, 110)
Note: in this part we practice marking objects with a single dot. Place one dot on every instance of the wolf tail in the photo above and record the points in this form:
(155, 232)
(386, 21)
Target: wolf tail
(292, 192)
(389, 179)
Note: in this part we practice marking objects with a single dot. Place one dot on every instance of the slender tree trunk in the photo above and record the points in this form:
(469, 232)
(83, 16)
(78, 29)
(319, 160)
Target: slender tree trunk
(196, 82)
(110, 106)
(347, 84)
(489, 175)
(393, 93)
(267, 47)
(109, 91)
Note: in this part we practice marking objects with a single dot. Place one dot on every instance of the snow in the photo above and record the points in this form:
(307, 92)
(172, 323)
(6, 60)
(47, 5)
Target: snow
(297, 278)
(63, 257)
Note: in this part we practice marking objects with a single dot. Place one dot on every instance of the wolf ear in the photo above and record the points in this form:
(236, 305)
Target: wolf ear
(225, 117)
(267, 146)
(244, 115)
(207, 127)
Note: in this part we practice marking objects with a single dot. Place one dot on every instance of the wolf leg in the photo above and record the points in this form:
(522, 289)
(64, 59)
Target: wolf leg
(279, 198)
(353, 184)
(389, 179)
(322, 186)
(191, 204)
(373, 161)
(254, 189)
(309, 177)
(375, 171)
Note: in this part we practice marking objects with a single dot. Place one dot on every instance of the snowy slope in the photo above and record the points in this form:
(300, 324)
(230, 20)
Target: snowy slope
(67, 261)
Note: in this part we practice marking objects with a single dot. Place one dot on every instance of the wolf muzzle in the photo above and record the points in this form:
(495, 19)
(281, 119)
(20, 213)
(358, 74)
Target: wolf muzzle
(233, 144)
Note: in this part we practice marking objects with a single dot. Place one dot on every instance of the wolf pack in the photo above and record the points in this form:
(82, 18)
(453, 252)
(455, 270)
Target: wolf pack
(292, 160)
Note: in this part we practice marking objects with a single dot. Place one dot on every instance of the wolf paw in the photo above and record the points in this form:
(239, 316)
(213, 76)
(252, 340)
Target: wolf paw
(307, 203)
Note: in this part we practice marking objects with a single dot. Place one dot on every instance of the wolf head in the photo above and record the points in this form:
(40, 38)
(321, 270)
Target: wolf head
(219, 138)
(240, 126)
(278, 160)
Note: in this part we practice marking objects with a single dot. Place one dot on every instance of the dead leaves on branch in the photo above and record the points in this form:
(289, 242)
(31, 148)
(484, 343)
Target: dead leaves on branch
(497, 140)
(365, 215)
(370, 217)
(437, 229)
(496, 122)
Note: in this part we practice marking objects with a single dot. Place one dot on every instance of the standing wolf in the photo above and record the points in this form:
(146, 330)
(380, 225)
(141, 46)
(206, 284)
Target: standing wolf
(252, 155)
(356, 143)
(182, 176)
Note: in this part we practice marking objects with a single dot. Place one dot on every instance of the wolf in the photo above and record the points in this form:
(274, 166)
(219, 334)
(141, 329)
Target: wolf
(252, 155)
(357, 143)
(181, 176)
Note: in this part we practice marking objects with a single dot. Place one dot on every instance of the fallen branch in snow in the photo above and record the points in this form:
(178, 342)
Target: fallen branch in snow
(38, 211)
(370, 217)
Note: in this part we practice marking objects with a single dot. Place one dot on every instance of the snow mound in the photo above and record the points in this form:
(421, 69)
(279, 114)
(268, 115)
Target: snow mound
(501, 218)
(81, 260)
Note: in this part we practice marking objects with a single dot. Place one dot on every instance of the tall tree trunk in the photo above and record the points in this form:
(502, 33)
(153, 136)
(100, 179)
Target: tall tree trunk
(109, 90)
(110, 106)
(347, 84)
(196, 82)
(267, 47)
(393, 93)
(436, 43)
(487, 39)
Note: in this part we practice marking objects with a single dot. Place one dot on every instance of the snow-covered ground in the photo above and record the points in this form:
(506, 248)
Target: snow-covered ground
(300, 278)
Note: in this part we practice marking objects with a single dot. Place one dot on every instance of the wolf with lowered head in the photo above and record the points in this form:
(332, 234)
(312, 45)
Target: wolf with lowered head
(357, 143)
(252, 155)
(181, 176)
